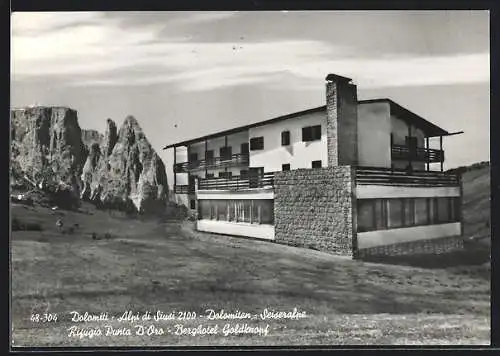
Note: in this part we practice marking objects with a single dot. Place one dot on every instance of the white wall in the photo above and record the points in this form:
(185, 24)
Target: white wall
(407, 234)
(298, 154)
(181, 156)
(239, 229)
(374, 140)
(392, 191)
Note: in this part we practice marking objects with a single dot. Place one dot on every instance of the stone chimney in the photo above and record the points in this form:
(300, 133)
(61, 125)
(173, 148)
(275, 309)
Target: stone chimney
(341, 121)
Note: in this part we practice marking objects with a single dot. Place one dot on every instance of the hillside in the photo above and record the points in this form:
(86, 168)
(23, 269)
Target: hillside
(104, 261)
(476, 200)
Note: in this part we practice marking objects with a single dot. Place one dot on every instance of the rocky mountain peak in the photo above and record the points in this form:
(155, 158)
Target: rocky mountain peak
(119, 169)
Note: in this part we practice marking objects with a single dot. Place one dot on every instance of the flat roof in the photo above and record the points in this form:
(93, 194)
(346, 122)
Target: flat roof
(429, 128)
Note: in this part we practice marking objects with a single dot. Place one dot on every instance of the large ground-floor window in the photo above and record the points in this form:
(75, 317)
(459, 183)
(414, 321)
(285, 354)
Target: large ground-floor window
(379, 214)
(254, 211)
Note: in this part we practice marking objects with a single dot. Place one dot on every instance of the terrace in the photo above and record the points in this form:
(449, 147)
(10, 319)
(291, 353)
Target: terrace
(364, 176)
(237, 158)
(417, 154)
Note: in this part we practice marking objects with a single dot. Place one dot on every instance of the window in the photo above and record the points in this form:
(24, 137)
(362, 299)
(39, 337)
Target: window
(395, 213)
(311, 133)
(443, 210)
(231, 210)
(193, 157)
(257, 143)
(244, 173)
(366, 215)
(411, 142)
(209, 175)
(244, 148)
(225, 152)
(265, 211)
(456, 209)
(209, 156)
(225, 174)
(221, 206)
(255, 174)
(192, 204)
(285, 167)
(409, 211)
(285, 138)
(205, 209)
(316, 164)
(433, 202)
(380, 214)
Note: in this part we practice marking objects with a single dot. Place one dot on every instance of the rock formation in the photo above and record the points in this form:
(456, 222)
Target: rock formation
(46, 145)
(119, 169)
(128, 171)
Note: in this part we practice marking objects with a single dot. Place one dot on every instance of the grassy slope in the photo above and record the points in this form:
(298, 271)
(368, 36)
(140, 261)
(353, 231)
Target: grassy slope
(147, 265)
(168, 266)
(476, 201)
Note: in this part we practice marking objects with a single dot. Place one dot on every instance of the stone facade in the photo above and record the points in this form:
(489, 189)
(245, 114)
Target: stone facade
(431, 246)
(316, 208)
(341, 122)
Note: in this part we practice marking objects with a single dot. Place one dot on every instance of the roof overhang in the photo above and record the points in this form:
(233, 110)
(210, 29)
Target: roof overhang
(429, 129)
(245, 127)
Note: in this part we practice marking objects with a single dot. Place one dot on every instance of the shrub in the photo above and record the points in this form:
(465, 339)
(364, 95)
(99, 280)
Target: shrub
(18, 225)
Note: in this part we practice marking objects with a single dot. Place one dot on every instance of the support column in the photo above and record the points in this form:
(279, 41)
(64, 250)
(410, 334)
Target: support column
(409, 148)
(441, 149)
(427, 153)
(225, 148)
(206, 149)
(175, 163)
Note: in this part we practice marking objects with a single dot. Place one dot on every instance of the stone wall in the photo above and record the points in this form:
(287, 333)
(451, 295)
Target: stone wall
(341, 122)
(431, 246)
(348, 125)
(315, 208)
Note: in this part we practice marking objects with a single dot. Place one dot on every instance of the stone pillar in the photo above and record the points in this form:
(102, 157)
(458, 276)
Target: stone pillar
(341, 121)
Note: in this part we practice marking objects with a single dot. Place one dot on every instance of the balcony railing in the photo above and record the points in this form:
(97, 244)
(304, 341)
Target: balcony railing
(184, 189)
(418, 154)
(387, 176)
(237, 182)
(237, 158)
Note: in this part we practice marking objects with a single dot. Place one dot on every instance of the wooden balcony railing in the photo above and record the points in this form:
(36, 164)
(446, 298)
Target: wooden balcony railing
(237, 158)
(184, 189)
(417, 154)
(387, 176)
(237, 182)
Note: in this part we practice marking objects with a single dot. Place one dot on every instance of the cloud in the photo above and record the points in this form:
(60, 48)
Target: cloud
(197, 18)
(97, 51)
(39, 23)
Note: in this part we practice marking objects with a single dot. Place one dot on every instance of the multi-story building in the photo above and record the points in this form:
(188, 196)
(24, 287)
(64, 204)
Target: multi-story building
(346, 177)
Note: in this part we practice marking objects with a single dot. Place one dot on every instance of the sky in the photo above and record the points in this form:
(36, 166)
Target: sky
(188, 74)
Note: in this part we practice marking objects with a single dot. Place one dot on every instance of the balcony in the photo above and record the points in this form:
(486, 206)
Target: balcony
(387, 176)
(184, 189)
(237, 182)
(237, 158)
(416, 154)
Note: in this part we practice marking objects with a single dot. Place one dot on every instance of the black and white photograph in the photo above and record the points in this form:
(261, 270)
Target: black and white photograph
(250, 178)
